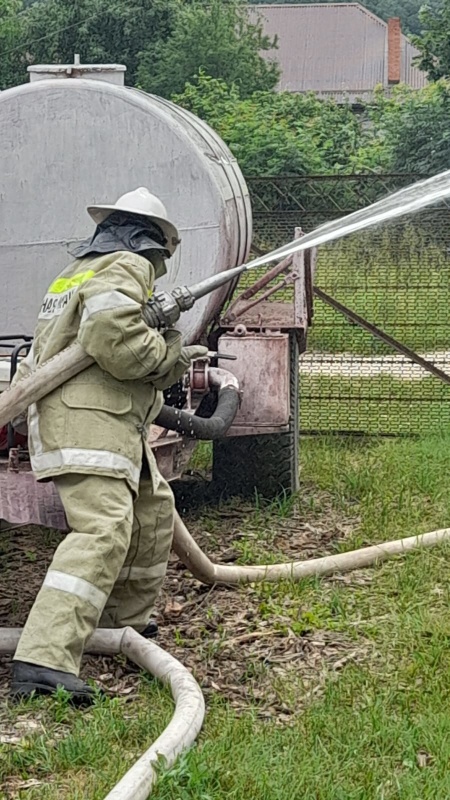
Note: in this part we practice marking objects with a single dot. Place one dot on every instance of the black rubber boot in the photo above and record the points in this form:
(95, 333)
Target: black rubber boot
(29, 678)
(151, 631)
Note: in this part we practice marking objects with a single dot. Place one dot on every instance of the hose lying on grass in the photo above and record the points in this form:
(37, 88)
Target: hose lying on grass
(189, 713)
(208, 572)
(190, 709)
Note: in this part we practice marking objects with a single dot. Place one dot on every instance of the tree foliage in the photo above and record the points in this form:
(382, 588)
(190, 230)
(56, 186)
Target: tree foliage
(99, 30)
(164, 42)
(214, 37)
(434, 41)
(10, 27)
(276, 133)
(410, 131)
(208, 57)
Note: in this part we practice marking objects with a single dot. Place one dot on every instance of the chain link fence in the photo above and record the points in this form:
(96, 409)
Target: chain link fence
(396, 276)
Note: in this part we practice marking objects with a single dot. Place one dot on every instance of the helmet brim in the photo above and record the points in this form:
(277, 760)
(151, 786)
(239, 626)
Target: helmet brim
(100, 213)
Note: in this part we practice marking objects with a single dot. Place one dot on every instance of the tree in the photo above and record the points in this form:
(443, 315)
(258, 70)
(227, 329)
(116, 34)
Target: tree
(434, 41)
(99, 30)
(410, 132)
(216, 37)
(10, 34)
(164, 41)
(276, 133)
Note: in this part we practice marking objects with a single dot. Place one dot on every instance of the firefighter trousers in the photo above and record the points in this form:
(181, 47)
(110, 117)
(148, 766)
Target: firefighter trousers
(107, 572)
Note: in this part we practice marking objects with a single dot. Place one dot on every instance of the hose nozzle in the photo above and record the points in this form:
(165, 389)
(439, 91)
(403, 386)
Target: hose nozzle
(164, 309)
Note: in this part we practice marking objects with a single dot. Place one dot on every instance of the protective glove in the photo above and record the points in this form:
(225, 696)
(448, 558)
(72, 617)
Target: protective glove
(191, 353)
(164, 379)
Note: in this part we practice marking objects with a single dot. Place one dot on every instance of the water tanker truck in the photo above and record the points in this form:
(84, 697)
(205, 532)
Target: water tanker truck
(75, 136)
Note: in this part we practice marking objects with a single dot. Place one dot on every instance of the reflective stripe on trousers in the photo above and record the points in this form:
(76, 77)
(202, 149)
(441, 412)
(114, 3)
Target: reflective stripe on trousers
(111, 566)
(77, 586)
(142, 573)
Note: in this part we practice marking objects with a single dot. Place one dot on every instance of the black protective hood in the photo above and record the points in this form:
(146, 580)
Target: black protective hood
(122, 232)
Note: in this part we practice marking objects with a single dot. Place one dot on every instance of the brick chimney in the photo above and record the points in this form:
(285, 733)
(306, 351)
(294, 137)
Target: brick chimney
(394, 50)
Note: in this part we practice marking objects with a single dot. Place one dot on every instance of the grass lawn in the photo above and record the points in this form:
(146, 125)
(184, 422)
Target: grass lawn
(346, 699)
(397, 279)
(393, 279)
(378, 404)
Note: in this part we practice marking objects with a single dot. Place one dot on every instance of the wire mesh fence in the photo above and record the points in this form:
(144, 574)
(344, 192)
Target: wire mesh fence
(397, 277)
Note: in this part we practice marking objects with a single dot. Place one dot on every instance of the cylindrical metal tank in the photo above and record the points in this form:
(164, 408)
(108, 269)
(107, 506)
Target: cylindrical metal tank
(66, 144)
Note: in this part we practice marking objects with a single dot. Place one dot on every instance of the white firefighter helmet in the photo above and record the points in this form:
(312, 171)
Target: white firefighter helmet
(141, 202)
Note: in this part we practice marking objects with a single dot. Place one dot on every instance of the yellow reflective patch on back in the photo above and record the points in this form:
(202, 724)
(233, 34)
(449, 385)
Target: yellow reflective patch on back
(64, 284)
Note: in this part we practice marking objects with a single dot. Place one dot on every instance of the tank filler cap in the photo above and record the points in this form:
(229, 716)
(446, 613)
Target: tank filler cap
(108, 73)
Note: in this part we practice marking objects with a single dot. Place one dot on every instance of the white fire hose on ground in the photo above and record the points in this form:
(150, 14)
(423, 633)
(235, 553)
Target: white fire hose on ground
(202, 568)
(187, 719)
(189, 713)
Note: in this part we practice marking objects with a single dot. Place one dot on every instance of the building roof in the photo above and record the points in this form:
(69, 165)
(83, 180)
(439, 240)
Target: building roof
(334, 49)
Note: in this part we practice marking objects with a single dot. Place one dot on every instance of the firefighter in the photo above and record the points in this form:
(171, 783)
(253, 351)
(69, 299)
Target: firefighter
(90, 437)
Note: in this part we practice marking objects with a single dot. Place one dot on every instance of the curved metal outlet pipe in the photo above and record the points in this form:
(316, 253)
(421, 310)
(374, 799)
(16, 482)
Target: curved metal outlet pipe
(206, 428)
(208, 572)
(188, 716)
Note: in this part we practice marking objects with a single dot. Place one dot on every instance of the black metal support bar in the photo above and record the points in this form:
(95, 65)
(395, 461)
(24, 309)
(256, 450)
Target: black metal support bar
(384, 337)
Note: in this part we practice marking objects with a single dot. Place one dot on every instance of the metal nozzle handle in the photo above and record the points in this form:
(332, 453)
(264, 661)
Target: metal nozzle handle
(226, 356)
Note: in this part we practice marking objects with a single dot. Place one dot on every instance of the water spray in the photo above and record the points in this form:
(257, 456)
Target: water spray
(165, 308)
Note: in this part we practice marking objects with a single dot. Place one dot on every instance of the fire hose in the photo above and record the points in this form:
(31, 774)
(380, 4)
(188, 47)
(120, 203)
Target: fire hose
(206, 571)
(189, 713)
(209, 428)
(187, 719)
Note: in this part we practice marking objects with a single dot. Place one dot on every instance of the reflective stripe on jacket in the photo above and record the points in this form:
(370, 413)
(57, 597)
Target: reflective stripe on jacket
(97, 421)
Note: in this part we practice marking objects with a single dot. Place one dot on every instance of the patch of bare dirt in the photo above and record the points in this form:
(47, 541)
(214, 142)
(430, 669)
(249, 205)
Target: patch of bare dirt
(218, 632)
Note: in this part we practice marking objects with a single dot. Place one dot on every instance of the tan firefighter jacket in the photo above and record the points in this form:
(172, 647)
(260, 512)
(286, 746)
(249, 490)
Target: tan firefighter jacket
(97, 422)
